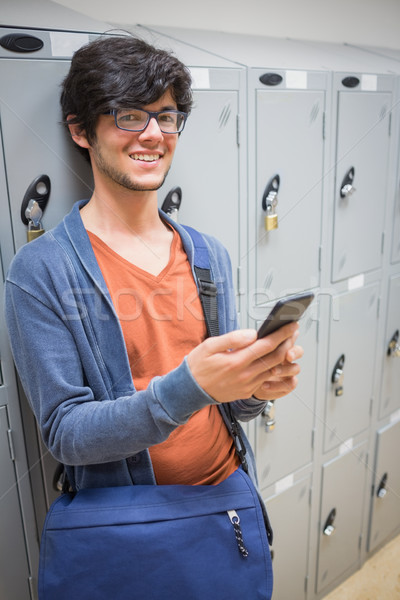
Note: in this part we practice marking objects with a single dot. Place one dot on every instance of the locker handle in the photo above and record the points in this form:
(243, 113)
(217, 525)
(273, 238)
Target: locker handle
(39, 190)
(329, 528)
(382, 491)
(347, 188)
(338, 375)
(172, 202)
(394, 346)
(268, 415)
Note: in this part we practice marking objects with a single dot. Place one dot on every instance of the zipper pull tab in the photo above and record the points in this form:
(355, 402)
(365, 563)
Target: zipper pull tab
(235, 520)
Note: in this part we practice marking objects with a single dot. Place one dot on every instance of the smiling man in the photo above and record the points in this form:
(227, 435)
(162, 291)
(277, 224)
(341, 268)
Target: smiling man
(108, 331)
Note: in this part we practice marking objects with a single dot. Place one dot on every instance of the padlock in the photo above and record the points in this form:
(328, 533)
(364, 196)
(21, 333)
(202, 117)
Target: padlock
(32, 234)
(34, 214)
(269, 202)
(271, 220)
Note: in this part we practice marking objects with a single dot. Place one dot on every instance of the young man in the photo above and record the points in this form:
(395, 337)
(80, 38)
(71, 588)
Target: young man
(107, 330)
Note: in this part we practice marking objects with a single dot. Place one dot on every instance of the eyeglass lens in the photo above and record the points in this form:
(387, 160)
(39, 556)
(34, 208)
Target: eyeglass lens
(137, 120)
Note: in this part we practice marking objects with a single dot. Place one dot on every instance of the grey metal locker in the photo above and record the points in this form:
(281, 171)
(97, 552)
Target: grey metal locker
(289, 512)
(35, 142)
(361, 179)
(288, 125)
(385, 503)
(341, 515)
(286, 444)
(390, 390)
(351, 364)
(14, 568)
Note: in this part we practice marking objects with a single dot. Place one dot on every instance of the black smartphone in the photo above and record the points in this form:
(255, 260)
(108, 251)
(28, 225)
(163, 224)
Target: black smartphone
(285, 311)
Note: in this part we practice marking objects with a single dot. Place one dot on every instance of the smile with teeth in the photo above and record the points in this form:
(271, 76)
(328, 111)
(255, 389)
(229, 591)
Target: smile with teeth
(145, 157)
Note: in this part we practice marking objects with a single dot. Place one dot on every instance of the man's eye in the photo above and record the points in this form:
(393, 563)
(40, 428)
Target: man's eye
(130, 117)
(167, 118)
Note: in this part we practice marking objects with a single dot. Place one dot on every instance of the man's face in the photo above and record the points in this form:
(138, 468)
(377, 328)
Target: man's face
(137, 161)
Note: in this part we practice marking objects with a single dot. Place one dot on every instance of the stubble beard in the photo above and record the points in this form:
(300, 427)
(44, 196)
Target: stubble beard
(120, 178)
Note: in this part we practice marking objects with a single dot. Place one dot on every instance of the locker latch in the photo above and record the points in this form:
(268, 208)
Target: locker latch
(347, 188)
(172, 202)
(394, 346)
(268, 414)
(269, 203)
(382, 491)
(34, 204)
(329, 528)
(337, 375)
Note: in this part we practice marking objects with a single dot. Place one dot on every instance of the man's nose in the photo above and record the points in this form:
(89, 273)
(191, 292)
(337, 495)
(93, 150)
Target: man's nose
(152, 129)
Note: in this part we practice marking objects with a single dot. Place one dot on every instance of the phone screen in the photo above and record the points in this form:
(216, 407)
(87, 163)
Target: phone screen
(285, 311)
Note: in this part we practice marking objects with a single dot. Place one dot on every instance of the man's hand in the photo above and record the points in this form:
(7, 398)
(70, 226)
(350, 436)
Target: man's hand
(237, 365)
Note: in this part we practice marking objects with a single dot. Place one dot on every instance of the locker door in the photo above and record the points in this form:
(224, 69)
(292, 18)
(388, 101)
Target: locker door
(351, 364)
(362, 145)
(288, 446)
(343, 484)
(289, 513)
(385, 509)
(35, 142)
(395, 258)
(289, 128)
(390, 393)
(206, 168)
(14, 570)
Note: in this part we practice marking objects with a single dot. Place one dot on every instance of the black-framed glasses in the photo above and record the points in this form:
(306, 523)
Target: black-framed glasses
(137, 119)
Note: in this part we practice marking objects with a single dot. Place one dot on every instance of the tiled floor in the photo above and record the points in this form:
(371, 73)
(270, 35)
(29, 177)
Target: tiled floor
(378, 579)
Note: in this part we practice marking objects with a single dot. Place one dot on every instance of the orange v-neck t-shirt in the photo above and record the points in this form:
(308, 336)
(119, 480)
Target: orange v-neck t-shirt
(162, 321)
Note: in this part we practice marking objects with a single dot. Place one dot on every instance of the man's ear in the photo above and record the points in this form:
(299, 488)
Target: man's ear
(77, 133)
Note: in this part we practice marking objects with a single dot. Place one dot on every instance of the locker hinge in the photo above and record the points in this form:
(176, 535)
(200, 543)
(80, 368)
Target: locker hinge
(360, 542)
(378, 308)
(323, 125)
(383, 242)
(312, 439)
(10, 444)
(238, 130)
(310, 497)
(32, 587)
(390, 124)
(320, 258)
(371, 404)
(306, 584)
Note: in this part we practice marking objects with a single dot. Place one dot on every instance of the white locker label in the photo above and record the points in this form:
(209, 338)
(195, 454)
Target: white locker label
(369, 83)
(354, 283)
(284, 484)
(394, 417)
(296, 80)
(65, 43)
(346, 447)
(200, 78)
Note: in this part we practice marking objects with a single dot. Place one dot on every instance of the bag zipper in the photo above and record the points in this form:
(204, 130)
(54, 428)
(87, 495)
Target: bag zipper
(235, 520)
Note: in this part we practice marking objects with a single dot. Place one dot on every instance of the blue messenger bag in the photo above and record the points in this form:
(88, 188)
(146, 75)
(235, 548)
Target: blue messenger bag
(149, 542)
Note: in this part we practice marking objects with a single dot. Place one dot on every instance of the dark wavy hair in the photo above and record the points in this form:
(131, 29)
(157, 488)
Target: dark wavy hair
(115, 72)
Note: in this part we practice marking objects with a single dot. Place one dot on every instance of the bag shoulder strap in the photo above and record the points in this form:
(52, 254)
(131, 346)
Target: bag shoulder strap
(207, 288)
(209, 302)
